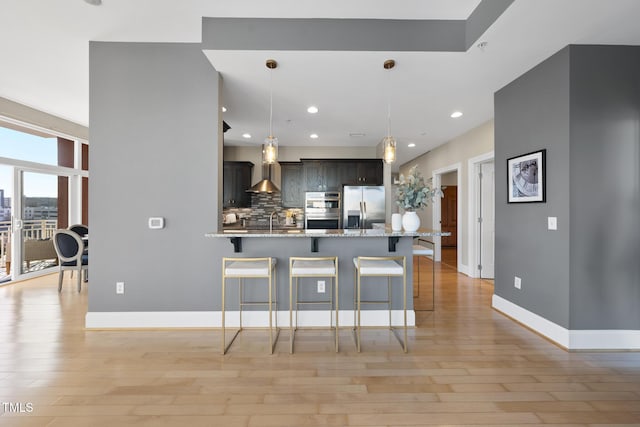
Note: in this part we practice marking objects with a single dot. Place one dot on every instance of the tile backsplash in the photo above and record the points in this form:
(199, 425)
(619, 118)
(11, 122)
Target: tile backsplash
(262, 205)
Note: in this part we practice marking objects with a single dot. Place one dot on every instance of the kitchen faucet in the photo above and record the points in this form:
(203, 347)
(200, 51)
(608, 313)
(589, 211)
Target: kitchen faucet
(271, 220)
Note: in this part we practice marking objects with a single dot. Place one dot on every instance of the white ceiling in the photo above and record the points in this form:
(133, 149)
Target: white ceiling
(44, 62)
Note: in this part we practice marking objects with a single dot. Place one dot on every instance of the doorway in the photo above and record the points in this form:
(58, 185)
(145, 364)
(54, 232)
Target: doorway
(449, 218)
(36, 220)
(446, 212)
(482, 216)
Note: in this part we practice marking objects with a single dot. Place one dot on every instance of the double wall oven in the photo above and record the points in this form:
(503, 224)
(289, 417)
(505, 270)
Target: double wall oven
(323, 210)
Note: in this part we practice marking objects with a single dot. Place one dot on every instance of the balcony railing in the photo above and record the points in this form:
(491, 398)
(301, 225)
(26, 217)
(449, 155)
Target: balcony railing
(32, 229)
(39, 228)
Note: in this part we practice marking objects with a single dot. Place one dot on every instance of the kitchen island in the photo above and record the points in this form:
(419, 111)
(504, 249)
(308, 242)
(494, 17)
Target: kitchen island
(345, 244)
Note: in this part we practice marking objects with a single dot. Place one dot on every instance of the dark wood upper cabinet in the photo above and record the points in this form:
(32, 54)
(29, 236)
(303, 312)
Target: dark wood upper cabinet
(292, 186)
(313, 175)
(321, 175)
(332, 174)
(236, 181)
(364, 172)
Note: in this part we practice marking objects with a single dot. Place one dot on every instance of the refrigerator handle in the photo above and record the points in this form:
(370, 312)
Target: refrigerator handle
(364, 213)
(361, 219)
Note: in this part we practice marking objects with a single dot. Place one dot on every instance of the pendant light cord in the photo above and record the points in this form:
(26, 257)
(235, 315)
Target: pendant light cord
(270, 103)
(388, 102)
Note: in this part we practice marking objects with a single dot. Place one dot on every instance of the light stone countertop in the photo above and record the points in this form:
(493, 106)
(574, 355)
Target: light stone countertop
(300, 232)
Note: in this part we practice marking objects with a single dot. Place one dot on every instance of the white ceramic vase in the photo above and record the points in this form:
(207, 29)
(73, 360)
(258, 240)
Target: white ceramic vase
(410, 221)
(396, 222)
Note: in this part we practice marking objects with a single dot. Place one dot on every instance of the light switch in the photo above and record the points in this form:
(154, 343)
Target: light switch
(552, 223)
(156, 223)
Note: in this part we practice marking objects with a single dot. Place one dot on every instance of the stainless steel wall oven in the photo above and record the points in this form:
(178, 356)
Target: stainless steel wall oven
(323, 210)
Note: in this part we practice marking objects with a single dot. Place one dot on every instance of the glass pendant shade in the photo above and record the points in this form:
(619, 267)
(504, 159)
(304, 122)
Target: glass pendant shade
(389, 149)
(270, 150)
(389, 142)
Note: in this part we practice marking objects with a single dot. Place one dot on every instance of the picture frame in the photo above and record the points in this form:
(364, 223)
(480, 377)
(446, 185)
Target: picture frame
(526, 178)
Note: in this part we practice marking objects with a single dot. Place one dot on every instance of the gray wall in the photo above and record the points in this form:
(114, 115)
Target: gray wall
(582, 105)
(351, 34)
(532, 113)
(154, 152)
(605, 187)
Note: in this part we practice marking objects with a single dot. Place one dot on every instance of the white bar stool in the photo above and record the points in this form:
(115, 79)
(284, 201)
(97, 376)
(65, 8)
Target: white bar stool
(313, 267)
(419, 250)
(377, 267)
(245, 268)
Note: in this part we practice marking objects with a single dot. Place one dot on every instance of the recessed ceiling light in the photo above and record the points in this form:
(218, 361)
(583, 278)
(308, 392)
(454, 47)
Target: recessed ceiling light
(224, 109)
(313, 136)
(411, 145)
(246, 135)
(94, 2)
(456, 114)
(357, 134)
(312, 109)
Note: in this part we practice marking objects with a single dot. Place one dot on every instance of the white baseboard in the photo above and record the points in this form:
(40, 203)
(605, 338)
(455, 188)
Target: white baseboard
(570, 339)
(151, 319)
(213, 319)
(544, 327)
(605, 340)
(464, 269)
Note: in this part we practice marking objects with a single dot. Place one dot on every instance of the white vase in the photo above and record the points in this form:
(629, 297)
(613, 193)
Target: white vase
(410, 221)
(396, 222)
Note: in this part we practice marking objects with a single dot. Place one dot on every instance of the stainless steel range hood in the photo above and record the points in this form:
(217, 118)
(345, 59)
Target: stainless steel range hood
(265, 185)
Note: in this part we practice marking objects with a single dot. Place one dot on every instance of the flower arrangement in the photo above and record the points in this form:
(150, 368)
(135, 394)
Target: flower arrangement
(413, 193)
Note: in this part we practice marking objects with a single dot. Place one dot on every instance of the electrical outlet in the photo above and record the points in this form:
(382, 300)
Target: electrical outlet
(517, 282)
(119, 288)
(320, 286)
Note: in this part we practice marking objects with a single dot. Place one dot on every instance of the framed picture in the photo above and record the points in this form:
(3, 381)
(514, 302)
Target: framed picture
(526, 178)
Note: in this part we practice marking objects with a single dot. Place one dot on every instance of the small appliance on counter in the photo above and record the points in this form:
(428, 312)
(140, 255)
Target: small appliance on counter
(229, 218)
(290, 219)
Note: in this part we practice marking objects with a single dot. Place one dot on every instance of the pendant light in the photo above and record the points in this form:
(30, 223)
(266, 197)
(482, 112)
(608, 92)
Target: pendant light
(270, 147)
(389, 142)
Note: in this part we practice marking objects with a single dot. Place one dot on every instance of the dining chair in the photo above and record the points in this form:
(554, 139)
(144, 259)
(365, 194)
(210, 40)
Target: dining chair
(81, 230)
(71, 255)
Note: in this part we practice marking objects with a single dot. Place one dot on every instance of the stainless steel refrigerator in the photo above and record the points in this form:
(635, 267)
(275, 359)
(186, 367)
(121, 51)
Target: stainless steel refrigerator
(362, 206)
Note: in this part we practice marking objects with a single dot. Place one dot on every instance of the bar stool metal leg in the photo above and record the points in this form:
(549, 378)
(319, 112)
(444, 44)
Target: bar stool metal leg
(380, 266)
(300, 267)
(418, 251)
(242, 268)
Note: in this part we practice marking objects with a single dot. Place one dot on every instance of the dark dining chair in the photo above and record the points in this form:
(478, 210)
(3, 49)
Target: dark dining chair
(80, 229)
(71, 255)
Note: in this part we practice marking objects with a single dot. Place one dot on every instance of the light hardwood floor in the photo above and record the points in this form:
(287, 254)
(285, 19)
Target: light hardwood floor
(467, 365)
